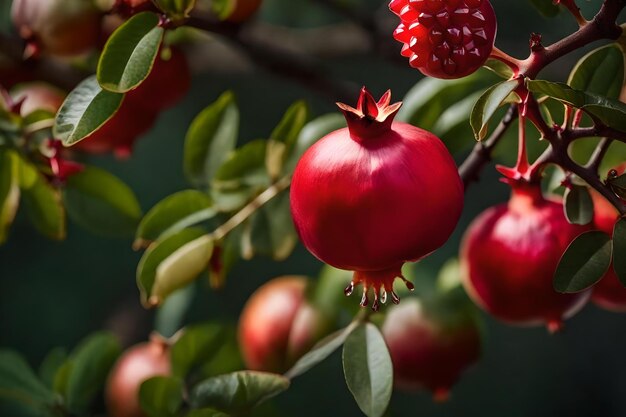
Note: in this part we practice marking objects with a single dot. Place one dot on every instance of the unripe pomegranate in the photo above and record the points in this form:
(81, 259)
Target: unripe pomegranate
(243, 10)
(371, 196)
(431, 345)
(38, 96)
(445, 38)
(509, 255)
(60, 27)
(137, 364)
(278, 326)
(609, 293)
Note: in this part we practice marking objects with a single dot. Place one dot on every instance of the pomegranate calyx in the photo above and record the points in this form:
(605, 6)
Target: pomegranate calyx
(370, 118)
(381, 283)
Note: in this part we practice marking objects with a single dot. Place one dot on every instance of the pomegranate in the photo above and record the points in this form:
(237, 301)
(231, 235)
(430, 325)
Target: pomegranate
(137, 364)
(609, 293)
(59, 27)
(242, 10)
(371, 196)
(37, 96)
(431, 344)
(278, 326)
(509, 255)
(445, 38)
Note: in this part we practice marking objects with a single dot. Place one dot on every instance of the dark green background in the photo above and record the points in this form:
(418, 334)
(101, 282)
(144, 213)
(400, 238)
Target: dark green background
(53, 294)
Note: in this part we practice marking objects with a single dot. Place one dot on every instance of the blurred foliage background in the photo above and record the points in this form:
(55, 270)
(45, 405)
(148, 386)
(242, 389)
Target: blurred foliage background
(53, 294)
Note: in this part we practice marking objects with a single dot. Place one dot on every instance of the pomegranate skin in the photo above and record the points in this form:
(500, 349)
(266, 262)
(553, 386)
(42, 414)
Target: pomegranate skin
(38, 96)
(609, 293)
(278, 326)
(430, 349)
(369, 197)
(509, 255)
(59, 27)
(137, 364)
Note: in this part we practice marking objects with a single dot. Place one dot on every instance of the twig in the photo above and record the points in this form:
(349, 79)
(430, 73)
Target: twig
(598, 154)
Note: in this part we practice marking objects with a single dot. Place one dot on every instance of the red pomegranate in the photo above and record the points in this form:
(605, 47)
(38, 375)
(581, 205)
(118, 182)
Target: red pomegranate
(509, 255)
(369, 197)
(431, 344)
(137, 364)
(37, 96)
(609, 293)
(445, 38)
(59, 27)
(278, 326)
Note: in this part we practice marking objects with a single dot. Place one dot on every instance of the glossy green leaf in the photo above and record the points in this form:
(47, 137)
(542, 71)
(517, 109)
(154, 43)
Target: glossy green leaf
(619, 250)
(241, 176)
(91, 362)
(499, 68)
(453, 126)
(368, 369)
(578, 205)
(176, 10)
(9, 191)
(284, 137)
(584, 263)
(322, 350)
(197, 345)
(19, 384)
(311, 133)
(154, 256)
(237, 392)
(600, 72)
(101, 203)
(171, 314)
(174, 213)
(546, 7)
(84, 111)
(129, 53)
(62, 377)
(44, 208)
(487, 105)
(161, 396)
(211, 137)
(51, 365)
(182, 267)
(608, 111)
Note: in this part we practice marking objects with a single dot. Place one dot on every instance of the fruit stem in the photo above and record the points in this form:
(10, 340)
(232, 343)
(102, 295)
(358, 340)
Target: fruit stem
(506, 59)
(522, 154)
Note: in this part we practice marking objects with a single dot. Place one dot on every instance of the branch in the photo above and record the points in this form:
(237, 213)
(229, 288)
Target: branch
(594, 131)
(598, 154)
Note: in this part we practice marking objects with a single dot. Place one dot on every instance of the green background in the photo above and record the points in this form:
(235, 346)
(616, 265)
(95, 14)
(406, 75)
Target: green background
(53, 294)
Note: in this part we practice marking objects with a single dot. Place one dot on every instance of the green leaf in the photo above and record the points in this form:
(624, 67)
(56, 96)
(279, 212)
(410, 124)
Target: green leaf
(44, 208)
(51, 365)
(618, 185)
(499, 68)
(223, 8)
(18, 383)
(453, 126)
(91, 362)
(182, 267)
(237, 392)
(584, 263)
(84, 111)
(211, 137)
(129, 53)
(241, 176)
(487, 105)
(619, 249)
(176, 10)
(171, 314)
(174, 213)
(101, 203)
(600, 72)
(161, 396)
(368, 369)
(284, 137)
(578, 205)
(62, 377)
(322, 350)
(9, 191)
(608, 111)
(197, 345)
(154, 256)
(311, 133)
(546, 7)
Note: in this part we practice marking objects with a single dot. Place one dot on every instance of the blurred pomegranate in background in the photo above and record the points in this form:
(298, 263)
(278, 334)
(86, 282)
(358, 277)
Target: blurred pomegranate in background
(37, 96)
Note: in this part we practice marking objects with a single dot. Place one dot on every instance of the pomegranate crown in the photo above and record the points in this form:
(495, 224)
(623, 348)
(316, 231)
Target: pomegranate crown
(370, 117)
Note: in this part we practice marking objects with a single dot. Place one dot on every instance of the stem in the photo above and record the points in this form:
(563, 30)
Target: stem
(243, 214)
(522, 154)
(575, 11)
(598, 154)
(507, 59)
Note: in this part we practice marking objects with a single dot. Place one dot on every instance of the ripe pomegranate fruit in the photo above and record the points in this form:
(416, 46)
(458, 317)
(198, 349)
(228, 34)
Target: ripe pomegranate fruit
(278, 326)
(509, 255)
(37, 96)
(242, 10)
(431, 344)
(371, 196)
(59, 27)
(445, 38)
(137, 364)
(609, 293)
